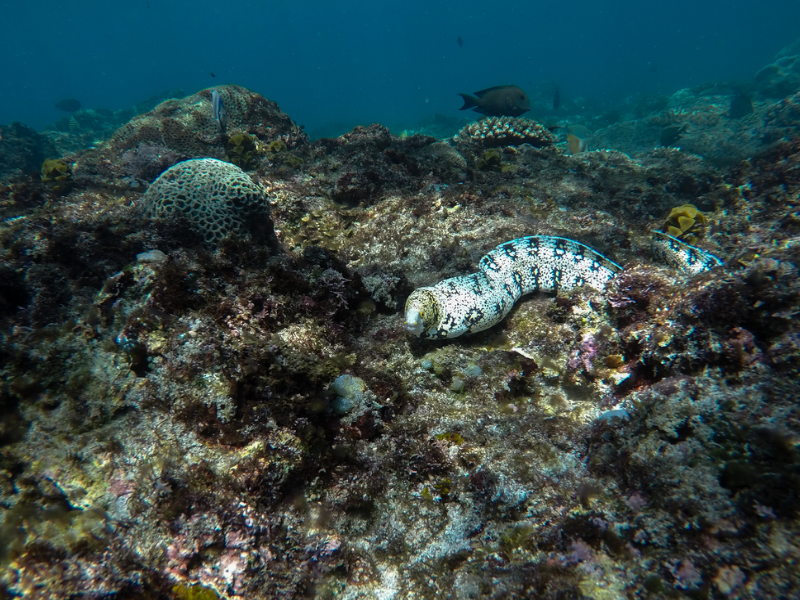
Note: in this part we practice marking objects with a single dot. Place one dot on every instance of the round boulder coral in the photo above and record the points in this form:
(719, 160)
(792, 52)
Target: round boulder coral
(217, 198)
(504, 131)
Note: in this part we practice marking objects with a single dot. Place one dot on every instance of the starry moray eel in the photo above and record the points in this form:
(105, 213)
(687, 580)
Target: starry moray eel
(681, 255)
(472, 303)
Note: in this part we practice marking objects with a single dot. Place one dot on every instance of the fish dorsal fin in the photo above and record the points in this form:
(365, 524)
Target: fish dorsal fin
(482, 93)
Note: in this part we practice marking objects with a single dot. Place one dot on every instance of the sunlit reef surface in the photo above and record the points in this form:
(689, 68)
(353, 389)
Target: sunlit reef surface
(170, 427)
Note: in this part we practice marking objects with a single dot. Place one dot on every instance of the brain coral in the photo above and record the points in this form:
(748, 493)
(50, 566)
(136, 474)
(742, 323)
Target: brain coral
(217, 198)
(187, 127)
(504, 131)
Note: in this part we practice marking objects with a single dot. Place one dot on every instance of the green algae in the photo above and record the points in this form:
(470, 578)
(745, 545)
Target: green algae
(686, 223)
(453, 437)
(242, 150)
(196, 591)
(55, 170)
(517, 536)
(277, 146)
(490, 160)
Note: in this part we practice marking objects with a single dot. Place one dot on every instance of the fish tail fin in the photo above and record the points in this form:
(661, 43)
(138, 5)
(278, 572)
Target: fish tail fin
(469, 101)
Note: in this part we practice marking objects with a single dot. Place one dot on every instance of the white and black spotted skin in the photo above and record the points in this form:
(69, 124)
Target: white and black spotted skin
(681, 255)
(475, 302)
(472, 303)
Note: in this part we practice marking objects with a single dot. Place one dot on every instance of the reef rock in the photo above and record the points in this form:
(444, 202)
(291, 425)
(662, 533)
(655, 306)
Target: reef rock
(22, 150)
(703, 124)
(186, 128)
(209, 419)
(781, 77)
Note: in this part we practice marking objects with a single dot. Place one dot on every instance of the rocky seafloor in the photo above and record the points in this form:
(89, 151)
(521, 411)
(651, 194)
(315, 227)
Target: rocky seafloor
(175, 420)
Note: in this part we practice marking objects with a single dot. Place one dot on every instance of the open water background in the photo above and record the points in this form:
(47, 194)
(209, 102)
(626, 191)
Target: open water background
(332, 65)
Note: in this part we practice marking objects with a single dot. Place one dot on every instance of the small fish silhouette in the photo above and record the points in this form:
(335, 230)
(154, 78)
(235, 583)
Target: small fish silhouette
(670, 135)
(68, 105)
(741, 105)
(220, 114)
(460, 42)
(212, 74)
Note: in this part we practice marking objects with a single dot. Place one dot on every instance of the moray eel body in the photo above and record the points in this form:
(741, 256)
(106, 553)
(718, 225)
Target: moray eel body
(475, 302)
(681, 255)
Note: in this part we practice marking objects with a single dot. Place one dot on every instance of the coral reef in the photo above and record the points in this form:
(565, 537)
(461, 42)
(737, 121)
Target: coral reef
(368, 164)
(181, 419)
(708, 120)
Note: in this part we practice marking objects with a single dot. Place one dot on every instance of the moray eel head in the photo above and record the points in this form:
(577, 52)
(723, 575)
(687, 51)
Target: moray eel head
(422, 312)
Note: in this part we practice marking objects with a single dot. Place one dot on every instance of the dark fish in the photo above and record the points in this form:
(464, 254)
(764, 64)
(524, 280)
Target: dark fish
(220, 114)
(671, 134)
(460, 42)
(212, 74)
(68, 105)
(741, 105)
(499, 101)
(556, 99)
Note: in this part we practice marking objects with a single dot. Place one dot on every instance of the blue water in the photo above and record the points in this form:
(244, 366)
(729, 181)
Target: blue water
(337, 64)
